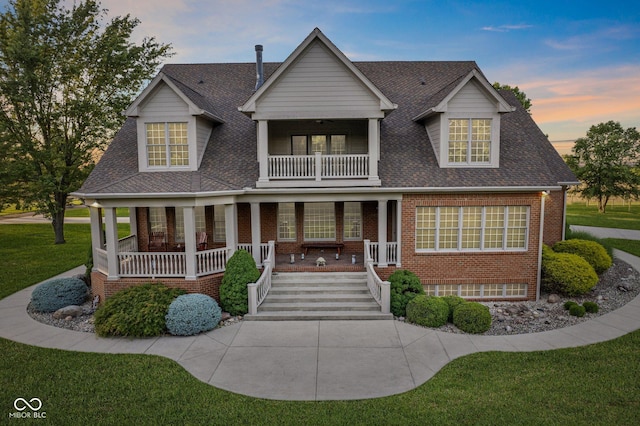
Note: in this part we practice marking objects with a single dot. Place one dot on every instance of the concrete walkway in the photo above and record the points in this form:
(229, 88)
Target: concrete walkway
(315, 360)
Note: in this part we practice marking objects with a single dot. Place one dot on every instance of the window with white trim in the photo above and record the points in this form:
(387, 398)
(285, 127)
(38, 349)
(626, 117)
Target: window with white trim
(352, 221)
(474, 228)
(200, 222)
(167, 144)
(157, 219)
(286, 221)
(478, 291)
(469, 141)
(219, 226)
(319, 221)
(325, 144)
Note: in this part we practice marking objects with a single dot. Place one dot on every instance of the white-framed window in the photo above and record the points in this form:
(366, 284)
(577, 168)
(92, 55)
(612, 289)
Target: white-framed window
(167, 144)
(157, 219)
(200, 222)
(325, 144)
(319, 221)
(352, 221)
(478, 291)
(475, 228)
(469, 141)
(219, 226)
(286, 221)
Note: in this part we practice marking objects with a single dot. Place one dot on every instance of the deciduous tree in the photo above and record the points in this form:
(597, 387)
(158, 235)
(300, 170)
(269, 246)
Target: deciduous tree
(522, 97)
(606, 162)
(65, 77)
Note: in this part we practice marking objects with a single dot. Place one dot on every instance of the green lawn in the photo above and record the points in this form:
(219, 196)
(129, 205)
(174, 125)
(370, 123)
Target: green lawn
(615, 217)
(596, 384)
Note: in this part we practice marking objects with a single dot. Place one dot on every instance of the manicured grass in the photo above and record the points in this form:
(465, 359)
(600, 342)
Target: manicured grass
(630, 246)
(615, 217)
(597, 384)
(82, 211)
(29, 255)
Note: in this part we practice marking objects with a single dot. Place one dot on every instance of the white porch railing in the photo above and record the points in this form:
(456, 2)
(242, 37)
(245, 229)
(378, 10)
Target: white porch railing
(100, 262)
(211, 261)
(153, 264)
(380, 290)
(318, 166)
(264, 251)
(392, 252)
(259, 290)
(128, 244)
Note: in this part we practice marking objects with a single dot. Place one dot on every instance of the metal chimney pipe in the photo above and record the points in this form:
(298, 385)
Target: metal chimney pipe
(259, 67)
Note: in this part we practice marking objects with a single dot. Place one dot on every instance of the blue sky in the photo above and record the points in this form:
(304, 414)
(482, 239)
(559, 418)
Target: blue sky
(579, 61)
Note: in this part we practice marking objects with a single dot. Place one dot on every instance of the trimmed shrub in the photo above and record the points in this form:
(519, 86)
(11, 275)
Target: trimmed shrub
(591, 307)
(568, 304)
(590, 251)
(453, 302)
(241, 270)
(405, 285)
(577, 310)
(568, 274)
(429, 311)
(136, 311)
(191, 314)
(580, 235)
(57, 293)
(472, 317)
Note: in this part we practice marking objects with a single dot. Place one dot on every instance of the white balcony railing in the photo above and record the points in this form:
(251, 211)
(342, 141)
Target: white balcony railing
(318, 166)
(264, 251)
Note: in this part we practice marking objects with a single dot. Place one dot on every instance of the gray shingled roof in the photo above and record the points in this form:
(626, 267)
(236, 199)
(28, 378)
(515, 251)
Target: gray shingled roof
(407, 158)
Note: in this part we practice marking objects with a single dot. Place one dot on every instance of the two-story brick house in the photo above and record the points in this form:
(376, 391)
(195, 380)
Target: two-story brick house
(419, 165)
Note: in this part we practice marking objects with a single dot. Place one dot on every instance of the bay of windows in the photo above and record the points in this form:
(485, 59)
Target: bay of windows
(471, 228)
(167, 144)
(469, 141)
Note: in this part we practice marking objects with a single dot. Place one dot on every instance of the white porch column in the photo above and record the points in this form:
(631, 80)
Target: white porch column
(256, 232)
(190, 242)
(111, 234)
(231, 228)
(133, 221)
(374, 148)
(263, 150)
(399, 233)
(382, 233)
(97, 237)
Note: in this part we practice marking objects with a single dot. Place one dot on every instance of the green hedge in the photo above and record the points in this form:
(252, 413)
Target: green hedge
(428, 311)
(472, 317)
(405, 285)
(590, 251)
(568, 274)
(241, 270)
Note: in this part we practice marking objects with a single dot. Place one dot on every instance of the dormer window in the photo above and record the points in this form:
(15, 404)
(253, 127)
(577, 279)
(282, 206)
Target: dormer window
(469, 141)
(167, 144)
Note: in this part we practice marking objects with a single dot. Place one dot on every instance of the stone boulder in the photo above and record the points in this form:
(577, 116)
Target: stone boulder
(68, 311)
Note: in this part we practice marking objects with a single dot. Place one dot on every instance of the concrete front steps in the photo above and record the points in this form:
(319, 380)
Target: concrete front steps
(318, 296)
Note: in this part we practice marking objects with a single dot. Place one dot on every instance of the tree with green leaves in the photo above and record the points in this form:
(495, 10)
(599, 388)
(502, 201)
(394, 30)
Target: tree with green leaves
(65, 77)
(522, 97)
(606, 162)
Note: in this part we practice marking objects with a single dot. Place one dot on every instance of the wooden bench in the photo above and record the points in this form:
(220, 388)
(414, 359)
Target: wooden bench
(322, 245)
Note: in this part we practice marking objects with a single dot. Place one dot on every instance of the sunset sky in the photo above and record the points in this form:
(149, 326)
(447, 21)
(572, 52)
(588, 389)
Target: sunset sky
(579, 62)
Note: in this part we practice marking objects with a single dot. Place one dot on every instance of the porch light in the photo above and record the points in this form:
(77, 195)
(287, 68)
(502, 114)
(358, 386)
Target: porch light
(545, 193)
(95, 204)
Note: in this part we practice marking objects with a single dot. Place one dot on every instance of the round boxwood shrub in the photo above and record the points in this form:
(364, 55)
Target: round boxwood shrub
(405, 285)
(568, 274)
(472, 317)
(591, 307)
(241, 270)
(453, 301)
(577, 310)
(57, 293)
(191, 314)
(136, 311)
(590, 251)
(429, 311)
(568, 304)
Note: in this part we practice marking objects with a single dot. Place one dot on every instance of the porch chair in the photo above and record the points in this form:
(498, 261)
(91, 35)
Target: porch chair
(157, 242)
(201, 241)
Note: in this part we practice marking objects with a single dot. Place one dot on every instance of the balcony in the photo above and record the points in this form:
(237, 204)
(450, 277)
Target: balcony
(318, 170)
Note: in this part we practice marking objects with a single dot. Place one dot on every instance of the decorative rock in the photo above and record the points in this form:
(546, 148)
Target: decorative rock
(553, 298)
(69, 318)
(508, 329)
(321, 262)
(68, 311)
(225, 316)
(513, 309)
(599, 297)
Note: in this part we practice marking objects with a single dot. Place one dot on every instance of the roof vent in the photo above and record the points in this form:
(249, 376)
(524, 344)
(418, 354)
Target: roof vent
(259, 67)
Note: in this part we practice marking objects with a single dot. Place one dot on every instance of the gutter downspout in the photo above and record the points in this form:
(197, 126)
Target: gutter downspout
(544, 195)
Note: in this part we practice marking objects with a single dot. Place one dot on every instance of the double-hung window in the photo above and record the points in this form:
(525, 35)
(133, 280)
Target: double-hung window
(352, 221)
(200, 222)
(219, 224)
(475, 228)
(324, 144)
(469, 141)
(286, 222)
(319, 221)
(167, 144)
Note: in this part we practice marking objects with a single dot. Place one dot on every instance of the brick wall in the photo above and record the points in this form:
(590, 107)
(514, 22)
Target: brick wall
(472, 267)
(553, 217)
